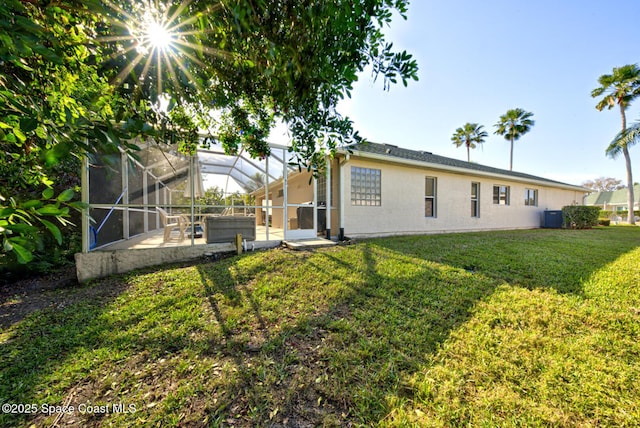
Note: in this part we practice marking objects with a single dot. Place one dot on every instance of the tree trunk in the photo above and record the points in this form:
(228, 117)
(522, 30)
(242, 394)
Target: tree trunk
(630, 196)
(627, 160)
(468, 154)
(511, 157)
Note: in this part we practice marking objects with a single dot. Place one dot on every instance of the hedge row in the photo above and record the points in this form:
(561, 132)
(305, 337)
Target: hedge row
(612, 214)
(580, 216)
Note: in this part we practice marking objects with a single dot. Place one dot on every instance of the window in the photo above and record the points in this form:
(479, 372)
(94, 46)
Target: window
(365, 186)
(430, 197)
(322, 191)
(475, 199)
(501, 195)
(531, 197)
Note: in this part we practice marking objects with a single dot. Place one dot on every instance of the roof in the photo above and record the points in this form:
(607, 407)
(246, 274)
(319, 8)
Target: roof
(613, 197)
(398, 154)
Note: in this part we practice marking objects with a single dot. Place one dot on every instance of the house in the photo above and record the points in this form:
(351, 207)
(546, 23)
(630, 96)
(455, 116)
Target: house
(614, 200)
(152, 209)
(373, 189)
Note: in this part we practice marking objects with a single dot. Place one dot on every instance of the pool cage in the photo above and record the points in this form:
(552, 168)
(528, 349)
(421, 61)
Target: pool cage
(162, 198)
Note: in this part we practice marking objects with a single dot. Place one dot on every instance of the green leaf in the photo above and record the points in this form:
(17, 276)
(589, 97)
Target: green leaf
(24, 255)
(6, 212)
(78, 205)
(47, 193)
(18, 133)
(22, 228)
(55, 231)
(41, 132)
(34, 203)
(50, 210)
(66, 196)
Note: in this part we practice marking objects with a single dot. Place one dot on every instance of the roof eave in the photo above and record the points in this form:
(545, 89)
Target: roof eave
(459, 170)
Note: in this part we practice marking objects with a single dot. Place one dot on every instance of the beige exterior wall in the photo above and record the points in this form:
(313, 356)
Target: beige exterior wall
(403, 203)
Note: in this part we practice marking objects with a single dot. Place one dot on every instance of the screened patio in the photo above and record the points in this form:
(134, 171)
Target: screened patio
(161, 198)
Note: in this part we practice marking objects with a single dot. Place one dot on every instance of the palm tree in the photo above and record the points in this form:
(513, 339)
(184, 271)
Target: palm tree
(513, 125)
(621, 87)
(469, 135)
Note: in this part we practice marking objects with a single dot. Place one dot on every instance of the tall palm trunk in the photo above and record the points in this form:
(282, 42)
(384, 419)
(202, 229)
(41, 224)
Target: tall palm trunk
(511, 156)
(627, 160)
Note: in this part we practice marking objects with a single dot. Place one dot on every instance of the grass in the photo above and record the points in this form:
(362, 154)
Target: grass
(521, 328)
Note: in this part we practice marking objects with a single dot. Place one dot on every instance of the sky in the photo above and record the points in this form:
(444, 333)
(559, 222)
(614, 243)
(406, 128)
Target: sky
(479, 59)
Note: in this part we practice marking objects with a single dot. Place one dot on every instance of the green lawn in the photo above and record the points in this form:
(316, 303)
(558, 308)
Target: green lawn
(521, 328)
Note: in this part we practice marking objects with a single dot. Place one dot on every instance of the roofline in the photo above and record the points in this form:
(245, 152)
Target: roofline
(460, 170)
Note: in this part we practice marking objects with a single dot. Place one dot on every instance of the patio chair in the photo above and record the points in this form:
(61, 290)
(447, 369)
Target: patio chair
(192, 228)
(170, 222)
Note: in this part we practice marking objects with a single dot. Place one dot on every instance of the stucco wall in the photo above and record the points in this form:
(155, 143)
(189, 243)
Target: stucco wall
(402, 210)
(299, 191)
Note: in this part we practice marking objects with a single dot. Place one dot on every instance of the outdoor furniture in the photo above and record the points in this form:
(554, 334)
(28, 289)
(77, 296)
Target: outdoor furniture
(225, 228)
(170, 222)
(192, 228)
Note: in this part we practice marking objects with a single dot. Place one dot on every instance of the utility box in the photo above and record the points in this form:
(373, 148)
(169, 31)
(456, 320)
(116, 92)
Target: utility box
(552, 219)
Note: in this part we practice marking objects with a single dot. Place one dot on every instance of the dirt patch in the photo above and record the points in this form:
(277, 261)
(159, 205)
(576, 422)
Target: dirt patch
(57, 289)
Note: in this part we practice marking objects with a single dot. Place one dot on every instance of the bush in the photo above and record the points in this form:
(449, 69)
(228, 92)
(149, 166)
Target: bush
(580, 216)
(604, 221)
(613, 214)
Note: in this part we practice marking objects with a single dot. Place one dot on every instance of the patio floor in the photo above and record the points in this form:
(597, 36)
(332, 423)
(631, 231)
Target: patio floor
(154, 239)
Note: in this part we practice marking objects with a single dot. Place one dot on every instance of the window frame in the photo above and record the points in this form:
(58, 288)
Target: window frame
(527, 197)
(506, 193)
(475, 199)
(366, 187)
(432, 198)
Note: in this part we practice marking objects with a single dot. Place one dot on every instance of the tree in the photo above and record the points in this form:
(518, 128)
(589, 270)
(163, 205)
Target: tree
(513, 125)
(52, 102)
(258, 181)
(86, 76)
(470, 135)
(620, 88)
(604, 184)
(256, 61)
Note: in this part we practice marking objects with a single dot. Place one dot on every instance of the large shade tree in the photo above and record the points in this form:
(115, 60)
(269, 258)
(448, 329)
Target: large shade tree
(620, 88)
(86, 76)
(470, 136)
(513, 125)
(603, 184)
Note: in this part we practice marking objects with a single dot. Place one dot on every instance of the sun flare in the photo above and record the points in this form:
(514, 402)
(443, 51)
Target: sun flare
(161, 41)
(159, 36)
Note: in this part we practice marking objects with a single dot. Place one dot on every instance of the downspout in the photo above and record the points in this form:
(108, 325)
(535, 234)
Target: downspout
(341, 166)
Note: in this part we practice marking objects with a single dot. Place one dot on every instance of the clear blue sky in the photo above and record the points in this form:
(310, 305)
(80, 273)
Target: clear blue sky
(478, 59)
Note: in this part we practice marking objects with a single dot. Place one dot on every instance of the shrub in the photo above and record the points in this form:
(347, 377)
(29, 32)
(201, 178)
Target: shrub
(613, 215)
(604, 221)
(580, 216)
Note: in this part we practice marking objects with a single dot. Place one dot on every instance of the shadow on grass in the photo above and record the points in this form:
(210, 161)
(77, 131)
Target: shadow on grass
(325, 340)
(367, 317)
(277, 337)
(45, 340)
(56, 355)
